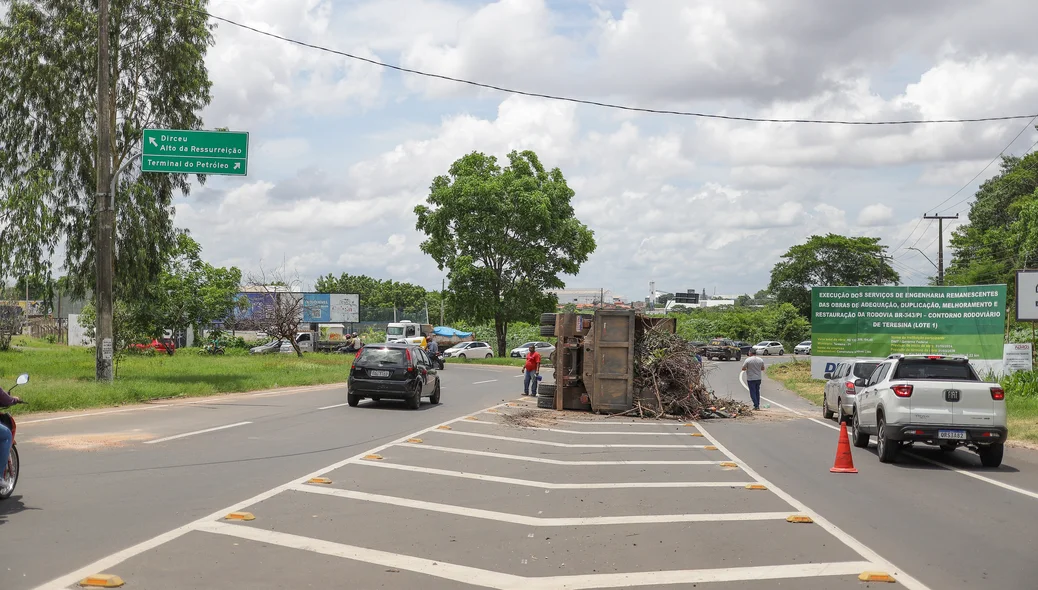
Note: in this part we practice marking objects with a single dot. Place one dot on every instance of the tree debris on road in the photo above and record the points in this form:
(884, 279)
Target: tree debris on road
(669, 381)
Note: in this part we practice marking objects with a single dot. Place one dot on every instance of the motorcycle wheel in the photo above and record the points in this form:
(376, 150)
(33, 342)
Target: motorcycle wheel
(10, 475)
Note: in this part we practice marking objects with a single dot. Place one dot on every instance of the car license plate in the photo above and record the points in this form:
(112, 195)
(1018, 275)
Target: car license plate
(379, 373)
(952, 434)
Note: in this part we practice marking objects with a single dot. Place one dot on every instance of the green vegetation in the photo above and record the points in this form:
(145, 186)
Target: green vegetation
(505, 235)
(779, 322)
(63, 376)
(1021, 395)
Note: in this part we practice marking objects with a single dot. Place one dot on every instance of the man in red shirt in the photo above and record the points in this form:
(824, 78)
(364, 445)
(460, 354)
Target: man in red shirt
(531, 369)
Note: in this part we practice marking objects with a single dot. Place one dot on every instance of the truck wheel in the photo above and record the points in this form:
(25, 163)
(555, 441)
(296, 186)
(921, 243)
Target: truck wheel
(548, 330)
(885, 448)
(546, 389)
(738, 356)
(548, 319)
(546, 402)
(991, 455)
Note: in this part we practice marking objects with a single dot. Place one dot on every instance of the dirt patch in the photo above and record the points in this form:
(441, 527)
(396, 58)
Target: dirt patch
(90, 442)
(1021, 444)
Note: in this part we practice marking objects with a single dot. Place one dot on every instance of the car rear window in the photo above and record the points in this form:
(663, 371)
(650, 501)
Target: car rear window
(381, 357)
(864, 370)
(935, 369)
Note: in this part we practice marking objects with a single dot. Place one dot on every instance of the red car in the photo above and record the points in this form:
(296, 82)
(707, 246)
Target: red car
(166, 346)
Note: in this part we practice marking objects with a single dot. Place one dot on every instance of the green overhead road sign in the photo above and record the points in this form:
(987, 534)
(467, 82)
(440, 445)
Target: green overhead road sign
(195, 152)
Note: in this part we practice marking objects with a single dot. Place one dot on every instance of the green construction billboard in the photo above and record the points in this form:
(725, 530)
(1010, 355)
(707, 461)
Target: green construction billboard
(873, 322)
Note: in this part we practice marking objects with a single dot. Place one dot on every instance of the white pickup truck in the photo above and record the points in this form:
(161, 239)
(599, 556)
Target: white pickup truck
(931, 399)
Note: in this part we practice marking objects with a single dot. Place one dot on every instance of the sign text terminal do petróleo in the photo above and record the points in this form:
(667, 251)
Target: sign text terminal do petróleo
(195, 152)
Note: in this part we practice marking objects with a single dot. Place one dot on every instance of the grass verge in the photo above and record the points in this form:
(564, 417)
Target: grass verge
(796, 377)
(62, 377)
(1021, 409)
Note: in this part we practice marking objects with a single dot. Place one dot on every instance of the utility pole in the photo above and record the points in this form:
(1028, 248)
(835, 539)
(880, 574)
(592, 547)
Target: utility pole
(940, 243)
(105, 258)
(443, 291)
(879, 270)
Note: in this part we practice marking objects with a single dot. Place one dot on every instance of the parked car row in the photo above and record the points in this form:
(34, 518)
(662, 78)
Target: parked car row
(926, 399)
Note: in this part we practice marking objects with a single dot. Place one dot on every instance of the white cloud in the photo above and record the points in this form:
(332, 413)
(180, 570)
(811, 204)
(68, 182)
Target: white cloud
(875, 214)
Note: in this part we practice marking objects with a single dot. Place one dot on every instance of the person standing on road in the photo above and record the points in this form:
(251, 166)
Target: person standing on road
(754, 368)
(531, 369)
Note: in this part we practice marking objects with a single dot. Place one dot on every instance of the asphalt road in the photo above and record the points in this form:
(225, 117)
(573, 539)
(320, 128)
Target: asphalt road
(459, 496)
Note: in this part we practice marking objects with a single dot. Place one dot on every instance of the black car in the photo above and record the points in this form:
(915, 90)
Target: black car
(745, 347)
(393, 370)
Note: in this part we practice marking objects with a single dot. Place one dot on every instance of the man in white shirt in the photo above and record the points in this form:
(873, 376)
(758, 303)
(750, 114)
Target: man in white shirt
(754, 368)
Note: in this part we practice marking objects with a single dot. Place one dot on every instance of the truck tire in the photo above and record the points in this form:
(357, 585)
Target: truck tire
(546, 389)
(548, 330)
(991, 455)
(548, 319)
(546, 402)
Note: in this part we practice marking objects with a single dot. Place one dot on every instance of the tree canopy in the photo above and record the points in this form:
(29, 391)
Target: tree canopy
(48, 97)
(505, 235)
(376, 294)
(829, 261)
(1002, 233)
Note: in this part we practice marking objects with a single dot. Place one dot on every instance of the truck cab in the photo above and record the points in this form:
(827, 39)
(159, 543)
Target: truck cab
(407, 331)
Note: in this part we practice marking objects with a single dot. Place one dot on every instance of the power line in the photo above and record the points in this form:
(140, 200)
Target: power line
(607, 105)
(968, 197)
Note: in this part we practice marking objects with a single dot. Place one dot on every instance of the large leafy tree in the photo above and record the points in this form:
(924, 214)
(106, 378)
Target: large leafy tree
(1002, 233)
(829, 261)
(48, 97)
(505, 235)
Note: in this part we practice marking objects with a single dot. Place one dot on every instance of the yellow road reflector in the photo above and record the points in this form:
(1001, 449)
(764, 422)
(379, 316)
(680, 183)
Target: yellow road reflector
(690, 425)
(728, 464)
(877, 577)
(414, 440)
(444, 427)
(696, 434)
(323, 480)
(471, 418)
(101, 581)
(710, 448)
(240, 516)
(756, 486)
(800, 519)
(492, 411)
(512, 405)
(373, 457)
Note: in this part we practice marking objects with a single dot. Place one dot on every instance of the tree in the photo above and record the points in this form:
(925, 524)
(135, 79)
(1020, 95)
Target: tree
(48, 94)
(829, 261)
(283, 311)
(505, 235)
(189, 292)
(743, 301)
(126, 328)
(376, 293)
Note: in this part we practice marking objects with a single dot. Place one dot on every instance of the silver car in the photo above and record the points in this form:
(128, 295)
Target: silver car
(803, 348)
(840, 390)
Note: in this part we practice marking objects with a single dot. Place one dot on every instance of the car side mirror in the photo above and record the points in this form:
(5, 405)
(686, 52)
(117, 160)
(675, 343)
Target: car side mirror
(22, 379)
(827, 376)
(861, 382)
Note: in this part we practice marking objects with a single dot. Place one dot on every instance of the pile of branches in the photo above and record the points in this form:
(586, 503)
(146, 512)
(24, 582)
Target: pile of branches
(669, 380)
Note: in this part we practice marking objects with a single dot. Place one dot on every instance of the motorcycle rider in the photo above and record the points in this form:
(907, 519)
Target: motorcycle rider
(6, 438)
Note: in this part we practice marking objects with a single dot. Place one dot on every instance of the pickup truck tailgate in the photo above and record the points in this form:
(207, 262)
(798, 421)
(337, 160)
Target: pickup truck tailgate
(962, 403)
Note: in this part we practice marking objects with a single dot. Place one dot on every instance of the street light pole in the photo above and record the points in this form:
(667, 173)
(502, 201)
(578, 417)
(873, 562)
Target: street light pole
(926, 257)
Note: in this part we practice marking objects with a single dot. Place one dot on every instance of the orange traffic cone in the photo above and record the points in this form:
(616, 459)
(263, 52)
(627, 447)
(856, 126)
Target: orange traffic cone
(844, 462)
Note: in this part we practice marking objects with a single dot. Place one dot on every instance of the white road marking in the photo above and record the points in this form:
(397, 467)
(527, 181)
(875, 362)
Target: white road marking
(186, 434)
(334, 406)
(975, 476)
(555, 486)
(857, 546)
(569, 445)
(501, 581)
(106, 563)
(538, 521)
(592, 432)
(993, 482)
(482, 382)
(553, 461)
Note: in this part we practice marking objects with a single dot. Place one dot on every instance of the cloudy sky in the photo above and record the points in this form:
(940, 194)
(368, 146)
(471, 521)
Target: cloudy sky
(341, 151)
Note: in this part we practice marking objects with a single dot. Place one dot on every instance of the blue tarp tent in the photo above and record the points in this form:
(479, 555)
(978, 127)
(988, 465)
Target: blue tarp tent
(448, 332)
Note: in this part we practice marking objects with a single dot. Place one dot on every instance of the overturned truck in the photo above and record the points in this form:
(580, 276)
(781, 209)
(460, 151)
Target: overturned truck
(618, 361)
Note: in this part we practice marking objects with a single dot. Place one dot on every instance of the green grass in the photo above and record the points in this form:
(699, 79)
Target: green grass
(1021, 401)
(796, 377)
(62, 377)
